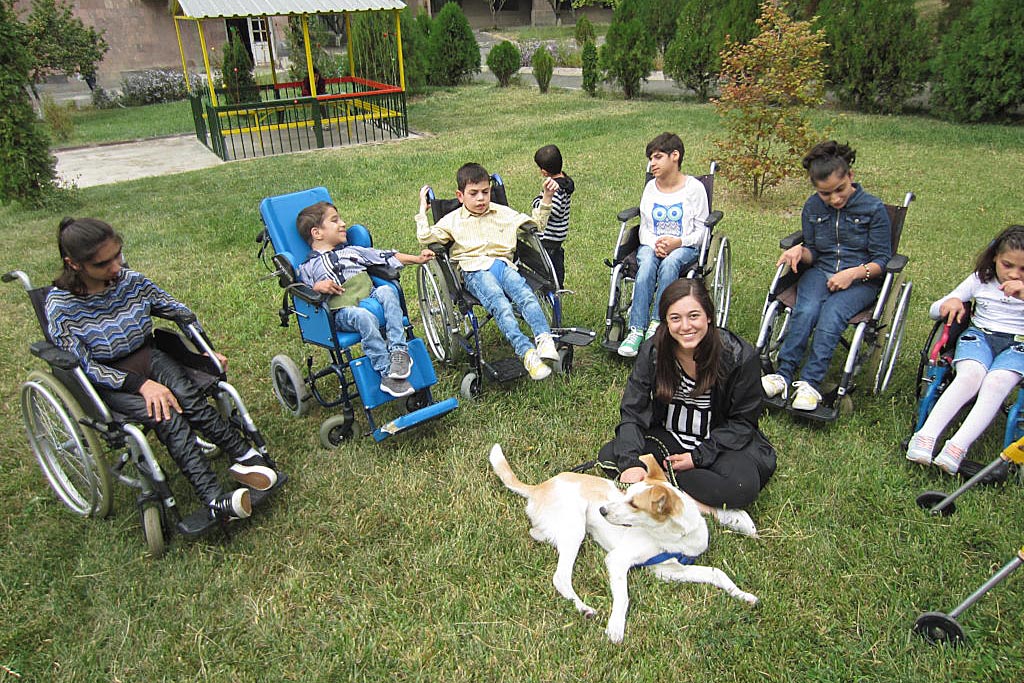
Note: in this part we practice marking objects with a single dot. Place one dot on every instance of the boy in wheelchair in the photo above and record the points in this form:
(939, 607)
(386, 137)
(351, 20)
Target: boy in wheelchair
(483, 238)
(673, 209)
(102, 312)
(338, 269)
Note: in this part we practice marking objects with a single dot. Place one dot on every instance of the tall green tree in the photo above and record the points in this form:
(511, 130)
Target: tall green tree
(415, 49)
(27, 169)
(58, 42)
(692, 59)
(454, 53)
(979, 70)
(627, 56)
(319, 38)
(660, 18)
(878, 53)
(769, 87)
(236, 70)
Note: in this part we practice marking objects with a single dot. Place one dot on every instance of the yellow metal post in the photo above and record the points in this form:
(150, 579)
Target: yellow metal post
(348, 38)
(309, 56)
(181, 51)
(206, 63)
(398, 39)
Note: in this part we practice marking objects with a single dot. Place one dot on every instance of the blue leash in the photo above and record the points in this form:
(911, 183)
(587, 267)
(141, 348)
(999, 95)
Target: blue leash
(665, 557)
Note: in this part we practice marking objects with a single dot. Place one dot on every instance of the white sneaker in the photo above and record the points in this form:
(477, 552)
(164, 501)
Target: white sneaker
(631, 344)
(950, 457)
(774, 385)
(806, 397)
(920, 449)
(534, 365)
(546, 347)
(652, 328)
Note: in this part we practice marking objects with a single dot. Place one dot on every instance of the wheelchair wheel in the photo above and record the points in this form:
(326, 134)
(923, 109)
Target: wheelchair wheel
(616, 324)
(471, 386)
(721, 281)
(563, 365)
(70, 455)
(289, 386)
(774, 325)
(436, 311)
(153, 530)
(893, 340)
(938, 628)
(335, 430)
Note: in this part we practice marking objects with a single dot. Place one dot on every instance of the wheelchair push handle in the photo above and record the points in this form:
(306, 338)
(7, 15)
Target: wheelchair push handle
(933, 355)
(18, 275)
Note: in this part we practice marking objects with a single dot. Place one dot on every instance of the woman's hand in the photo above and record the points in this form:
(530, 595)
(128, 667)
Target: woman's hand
(632, 475)
(159, 400)
(844, 278)
(681, 462)
(792, 257)
(952, 310)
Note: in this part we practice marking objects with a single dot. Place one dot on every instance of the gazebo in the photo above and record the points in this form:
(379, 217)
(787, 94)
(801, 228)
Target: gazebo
(281, 117)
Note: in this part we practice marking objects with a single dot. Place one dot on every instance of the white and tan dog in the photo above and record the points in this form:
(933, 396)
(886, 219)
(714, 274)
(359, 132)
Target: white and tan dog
(650, 520)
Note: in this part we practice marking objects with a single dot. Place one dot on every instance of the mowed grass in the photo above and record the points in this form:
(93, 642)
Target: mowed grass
(407, 560)
(97, 126)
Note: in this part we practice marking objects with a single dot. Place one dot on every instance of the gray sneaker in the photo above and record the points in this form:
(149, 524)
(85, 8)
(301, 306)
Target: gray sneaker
(396, 387)
(401, 365)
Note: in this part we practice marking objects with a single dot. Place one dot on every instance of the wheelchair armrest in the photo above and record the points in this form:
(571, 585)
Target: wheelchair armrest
(54, 355)
(791, 240)
(306, 293)
(529, 227)
(896, 264)
(713, 219)
(439, 248)
(627, 214)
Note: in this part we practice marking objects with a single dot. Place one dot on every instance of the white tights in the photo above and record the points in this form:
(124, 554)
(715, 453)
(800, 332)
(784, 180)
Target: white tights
(991, 389)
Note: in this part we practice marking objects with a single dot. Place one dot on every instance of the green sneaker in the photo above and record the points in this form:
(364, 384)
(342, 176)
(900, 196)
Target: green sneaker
(631, 344)
(652, 328)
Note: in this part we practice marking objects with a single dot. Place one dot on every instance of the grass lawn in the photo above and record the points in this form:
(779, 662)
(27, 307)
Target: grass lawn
(94, 126)
(407, 560)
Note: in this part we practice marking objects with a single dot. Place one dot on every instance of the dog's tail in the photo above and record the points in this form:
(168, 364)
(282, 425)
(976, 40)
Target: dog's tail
(505, 473)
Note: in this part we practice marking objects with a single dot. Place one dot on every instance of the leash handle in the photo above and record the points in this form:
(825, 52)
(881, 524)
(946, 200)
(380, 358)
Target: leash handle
(933, 357)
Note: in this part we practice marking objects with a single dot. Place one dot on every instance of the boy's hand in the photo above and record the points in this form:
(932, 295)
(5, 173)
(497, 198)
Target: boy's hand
(425, 255)
(791, 257)
(549, 188)
(952, 310)
(666, 244)
(423, 198)
(328, 287)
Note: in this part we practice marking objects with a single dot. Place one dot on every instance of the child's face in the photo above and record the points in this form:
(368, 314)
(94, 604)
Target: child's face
(332, 230)
(837, 189)
(543, 173)
(1010, 265)
(102, 269)
(663, 164)
(476, 197)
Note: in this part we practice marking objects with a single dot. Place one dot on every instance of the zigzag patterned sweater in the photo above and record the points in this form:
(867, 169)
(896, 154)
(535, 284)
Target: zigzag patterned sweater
(110, 325)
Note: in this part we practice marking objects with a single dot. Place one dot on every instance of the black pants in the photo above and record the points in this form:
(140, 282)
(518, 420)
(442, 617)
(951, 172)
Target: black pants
(732, 480)
(176, 433)
(557, 255)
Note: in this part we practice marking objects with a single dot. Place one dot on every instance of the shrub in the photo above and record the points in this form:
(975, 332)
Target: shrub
(660, 18)
(543, 67)
(236, 68)
(591, 71)
(319, 37)
(104, 99)
(979, 70)
(584, 32)
(454, 54)
(153, 86)
(415, 46)
(503, 61)
(877, 53)
(769, 87)
(627, 56)
(58, 118)
(692, 58)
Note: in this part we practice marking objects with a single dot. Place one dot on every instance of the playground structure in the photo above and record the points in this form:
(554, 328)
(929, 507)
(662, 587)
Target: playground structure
(367, 105)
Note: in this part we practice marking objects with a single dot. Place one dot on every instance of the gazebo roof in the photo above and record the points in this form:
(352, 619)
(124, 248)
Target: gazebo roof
(211, 9)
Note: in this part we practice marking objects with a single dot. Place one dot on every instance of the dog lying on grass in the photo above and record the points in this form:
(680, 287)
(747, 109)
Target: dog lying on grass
(651, 523)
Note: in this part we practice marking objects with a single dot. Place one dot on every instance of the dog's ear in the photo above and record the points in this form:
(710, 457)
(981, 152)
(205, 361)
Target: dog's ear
(654, 471)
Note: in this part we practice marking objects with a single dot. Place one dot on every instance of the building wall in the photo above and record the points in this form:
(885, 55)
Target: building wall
(514, 13)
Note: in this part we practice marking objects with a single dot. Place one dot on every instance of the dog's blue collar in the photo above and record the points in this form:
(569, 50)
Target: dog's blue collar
(665, 557)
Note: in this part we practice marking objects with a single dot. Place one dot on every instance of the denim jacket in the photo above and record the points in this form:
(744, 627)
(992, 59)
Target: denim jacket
(855, 235)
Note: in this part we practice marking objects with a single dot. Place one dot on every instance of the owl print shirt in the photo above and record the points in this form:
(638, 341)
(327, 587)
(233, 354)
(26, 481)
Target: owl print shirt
(677, 214)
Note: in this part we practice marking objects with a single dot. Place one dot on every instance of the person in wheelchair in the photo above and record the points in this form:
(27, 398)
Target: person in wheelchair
(989, 357)
(673, 209)
(483, 238)
(338, 269)
(847, 241)
(101, 312)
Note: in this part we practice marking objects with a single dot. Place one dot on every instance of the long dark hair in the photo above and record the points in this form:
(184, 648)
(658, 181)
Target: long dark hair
(708, 356)
(825, 158)
(78, 240)
(1010, 239)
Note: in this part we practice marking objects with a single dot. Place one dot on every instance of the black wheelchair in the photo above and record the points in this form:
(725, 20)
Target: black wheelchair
(450, 322)
(349, 374)
(83, 446)
(713, 265)
(877, 330)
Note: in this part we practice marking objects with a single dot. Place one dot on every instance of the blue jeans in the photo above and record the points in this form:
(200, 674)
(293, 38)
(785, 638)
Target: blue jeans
(826, 315)
(654, 270)
(490, 292)
(358, 319)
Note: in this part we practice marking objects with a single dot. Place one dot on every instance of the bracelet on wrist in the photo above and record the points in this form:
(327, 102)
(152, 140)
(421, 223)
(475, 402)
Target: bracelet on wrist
(867, 272)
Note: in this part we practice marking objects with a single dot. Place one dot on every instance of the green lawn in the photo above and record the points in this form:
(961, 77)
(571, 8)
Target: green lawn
(96, 126)
(407, 560)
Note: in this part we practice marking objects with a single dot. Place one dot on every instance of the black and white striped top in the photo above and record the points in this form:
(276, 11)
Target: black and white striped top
(689, 417)
(557, 228)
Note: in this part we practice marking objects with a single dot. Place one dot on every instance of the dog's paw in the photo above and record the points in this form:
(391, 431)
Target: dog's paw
(746, 597)
(615, 633)
(737, 520)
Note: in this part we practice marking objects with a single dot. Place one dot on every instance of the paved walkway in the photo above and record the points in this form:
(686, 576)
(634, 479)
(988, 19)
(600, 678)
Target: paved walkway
(104, 164)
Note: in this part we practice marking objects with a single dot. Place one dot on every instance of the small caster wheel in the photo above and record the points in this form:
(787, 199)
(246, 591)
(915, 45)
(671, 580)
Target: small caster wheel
(153, 530)
(938, 628)
(334, 430)
(929, 499)
(470, 387)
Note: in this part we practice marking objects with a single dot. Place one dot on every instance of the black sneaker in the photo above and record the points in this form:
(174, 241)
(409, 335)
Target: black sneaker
(230, 506)
(396, 387)
(401, 365)
(253, 472)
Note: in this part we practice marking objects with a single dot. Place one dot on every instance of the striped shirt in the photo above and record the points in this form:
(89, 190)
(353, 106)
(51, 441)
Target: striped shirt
(689, 417)
(342, 262)
(557, 228)
(110, 325)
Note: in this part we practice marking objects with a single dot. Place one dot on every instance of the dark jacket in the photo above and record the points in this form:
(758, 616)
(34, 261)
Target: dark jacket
(857, 234)
(736, 405)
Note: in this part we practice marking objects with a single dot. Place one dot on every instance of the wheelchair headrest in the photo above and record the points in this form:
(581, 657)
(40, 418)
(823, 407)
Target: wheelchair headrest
(279, 214)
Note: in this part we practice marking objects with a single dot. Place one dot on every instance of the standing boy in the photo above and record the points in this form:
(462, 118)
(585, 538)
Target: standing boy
(549, 160)
(673, 209)
(483, 238)
(338, 269)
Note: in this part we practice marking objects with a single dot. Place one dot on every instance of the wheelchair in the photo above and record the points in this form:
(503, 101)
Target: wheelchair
(350, 375)
(714, 265)
(450, 322)
(83, 446)
(877, 330)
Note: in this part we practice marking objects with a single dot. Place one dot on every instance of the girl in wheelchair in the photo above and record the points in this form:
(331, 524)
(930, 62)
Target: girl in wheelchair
(101, 312)
(989, 357)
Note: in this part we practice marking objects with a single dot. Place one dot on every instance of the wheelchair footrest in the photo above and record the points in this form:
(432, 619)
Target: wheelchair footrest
(199, 522)
(416, 417)
(822, 413)
(573, 336)
(506, 369)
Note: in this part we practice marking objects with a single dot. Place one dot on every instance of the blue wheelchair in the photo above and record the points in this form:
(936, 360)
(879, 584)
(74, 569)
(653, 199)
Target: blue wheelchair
(348, 375)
